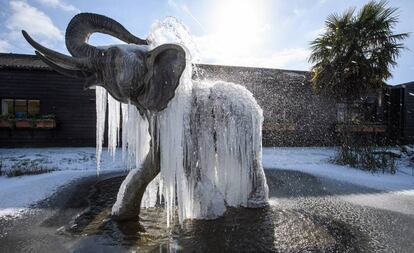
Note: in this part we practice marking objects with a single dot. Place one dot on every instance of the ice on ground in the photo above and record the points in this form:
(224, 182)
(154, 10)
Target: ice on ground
(18, 193)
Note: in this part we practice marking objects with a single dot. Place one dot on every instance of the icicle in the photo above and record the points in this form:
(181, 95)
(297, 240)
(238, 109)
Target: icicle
(151, 193)
(101, 98)
(125, 118)
(114, 121)
(135, 136)
(172, 123)
(210, 140)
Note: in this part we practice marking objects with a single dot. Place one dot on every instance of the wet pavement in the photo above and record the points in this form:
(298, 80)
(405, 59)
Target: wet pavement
(306, 214)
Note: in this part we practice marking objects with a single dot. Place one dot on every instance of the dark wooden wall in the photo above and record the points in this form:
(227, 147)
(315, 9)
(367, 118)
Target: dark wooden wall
(408, 114)
(393, 100)
(399, 105)
(74, 108)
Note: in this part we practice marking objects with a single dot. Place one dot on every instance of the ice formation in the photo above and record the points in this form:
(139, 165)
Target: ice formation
(101, 98)
(209, 139)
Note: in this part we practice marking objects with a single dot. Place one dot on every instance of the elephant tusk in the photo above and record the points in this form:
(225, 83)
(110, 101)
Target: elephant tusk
(64, 71)
(82, 63)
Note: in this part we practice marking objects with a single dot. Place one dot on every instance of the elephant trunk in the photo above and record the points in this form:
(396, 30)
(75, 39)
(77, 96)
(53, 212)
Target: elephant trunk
(84, 24)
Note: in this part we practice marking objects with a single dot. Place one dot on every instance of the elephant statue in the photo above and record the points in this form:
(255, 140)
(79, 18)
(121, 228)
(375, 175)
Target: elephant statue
(149, 85)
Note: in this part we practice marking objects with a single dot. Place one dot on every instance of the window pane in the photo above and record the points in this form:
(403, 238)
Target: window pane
(7, 106)
(340, 112)
(34, 107)
(20, 108)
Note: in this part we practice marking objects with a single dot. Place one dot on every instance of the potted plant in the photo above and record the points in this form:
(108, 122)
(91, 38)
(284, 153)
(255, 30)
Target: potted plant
(6, 121)
(24, 123)
(46, 121)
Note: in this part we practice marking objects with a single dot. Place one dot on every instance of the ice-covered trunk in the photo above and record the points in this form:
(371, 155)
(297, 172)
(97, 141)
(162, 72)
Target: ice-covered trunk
(131, 192)
(142, 156)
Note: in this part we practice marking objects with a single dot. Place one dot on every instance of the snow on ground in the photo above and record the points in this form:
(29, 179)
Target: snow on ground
(316, 161)
(18, 193)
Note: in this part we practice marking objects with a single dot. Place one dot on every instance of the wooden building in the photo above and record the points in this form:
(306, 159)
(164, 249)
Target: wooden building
(400, 112)
(40, 107)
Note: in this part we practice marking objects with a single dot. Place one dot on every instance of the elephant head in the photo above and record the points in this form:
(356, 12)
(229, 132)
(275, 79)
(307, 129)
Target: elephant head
(130, 73)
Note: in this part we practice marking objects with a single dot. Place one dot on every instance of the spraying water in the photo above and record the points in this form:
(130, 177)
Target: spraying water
(209, 139)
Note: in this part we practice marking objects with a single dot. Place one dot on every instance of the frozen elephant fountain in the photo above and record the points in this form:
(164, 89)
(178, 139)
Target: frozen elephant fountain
(193, 145)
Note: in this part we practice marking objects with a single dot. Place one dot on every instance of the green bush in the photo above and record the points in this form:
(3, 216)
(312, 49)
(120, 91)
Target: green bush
(364, 154)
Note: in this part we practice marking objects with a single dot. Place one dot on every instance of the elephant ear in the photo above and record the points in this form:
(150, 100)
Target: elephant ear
(165, 65)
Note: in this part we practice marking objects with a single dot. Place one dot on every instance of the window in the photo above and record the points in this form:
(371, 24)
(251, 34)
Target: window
(7, 107)
(341, 112)
(20, 108)
(33, 107)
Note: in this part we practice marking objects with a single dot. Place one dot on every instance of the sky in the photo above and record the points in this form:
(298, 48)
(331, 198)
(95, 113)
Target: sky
(256, 33)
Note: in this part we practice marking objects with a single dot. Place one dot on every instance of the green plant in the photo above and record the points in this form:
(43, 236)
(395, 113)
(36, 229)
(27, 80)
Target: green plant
(363, 153)
(48, 116)
(26, 166)
(7, 116)
(356, 52)
(42, 116)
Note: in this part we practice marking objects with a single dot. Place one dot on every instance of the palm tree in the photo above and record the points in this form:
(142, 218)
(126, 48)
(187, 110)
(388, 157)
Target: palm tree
(353, 56)
(356, 52)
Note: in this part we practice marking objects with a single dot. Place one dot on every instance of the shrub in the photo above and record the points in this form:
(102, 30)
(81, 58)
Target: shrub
(27, 166)
(18, 171)
(364, 154)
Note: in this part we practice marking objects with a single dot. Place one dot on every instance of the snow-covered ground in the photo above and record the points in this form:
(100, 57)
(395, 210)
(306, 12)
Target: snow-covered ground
(316, 161)
(18, 193)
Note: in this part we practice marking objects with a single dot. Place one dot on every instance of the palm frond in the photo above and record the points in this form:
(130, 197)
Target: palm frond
(357, 50)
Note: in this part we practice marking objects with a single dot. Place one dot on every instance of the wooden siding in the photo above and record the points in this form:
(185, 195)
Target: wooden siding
(399, 102)
(74, 108)
(408, 114)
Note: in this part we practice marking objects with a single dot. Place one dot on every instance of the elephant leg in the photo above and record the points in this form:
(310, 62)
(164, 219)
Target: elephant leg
(128, 201)
(260, 191)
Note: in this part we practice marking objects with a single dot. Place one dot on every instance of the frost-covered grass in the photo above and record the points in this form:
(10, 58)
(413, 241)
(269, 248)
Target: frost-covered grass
(26, 166)
(26, 171)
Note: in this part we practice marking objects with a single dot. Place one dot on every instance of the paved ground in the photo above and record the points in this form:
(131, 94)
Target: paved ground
(306, 213)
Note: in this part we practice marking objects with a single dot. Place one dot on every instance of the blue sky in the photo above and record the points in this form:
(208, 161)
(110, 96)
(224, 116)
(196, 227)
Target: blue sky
(261, 33)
